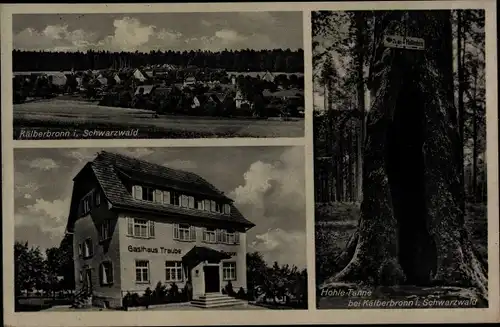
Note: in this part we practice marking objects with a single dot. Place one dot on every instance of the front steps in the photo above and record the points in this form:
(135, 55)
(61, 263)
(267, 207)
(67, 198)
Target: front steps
(216, 300)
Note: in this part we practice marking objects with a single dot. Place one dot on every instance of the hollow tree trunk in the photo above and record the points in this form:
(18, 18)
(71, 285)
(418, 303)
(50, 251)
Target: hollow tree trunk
(411, 220)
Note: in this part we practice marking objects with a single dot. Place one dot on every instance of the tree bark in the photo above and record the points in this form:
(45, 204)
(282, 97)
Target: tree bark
(474, 140)
(411, 227)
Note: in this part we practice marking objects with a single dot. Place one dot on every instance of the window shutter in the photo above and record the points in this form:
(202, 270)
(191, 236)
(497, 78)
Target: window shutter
(158, 196)
(91, 248)
(130, 226)
(218, 235)
(236, 237)
(137, 192)
(192, 232)
(110, 273)
(101, 273)
(166, 197)
(176, 231)
(151, 229)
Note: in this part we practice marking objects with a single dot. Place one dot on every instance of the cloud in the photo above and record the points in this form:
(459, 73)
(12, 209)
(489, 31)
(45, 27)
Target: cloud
(53, 37)
(44, 220)
(281, 246)
(131, 34)
(82, 155)
(181, 164)
(272, 196)
(137, 152)
(43, 164)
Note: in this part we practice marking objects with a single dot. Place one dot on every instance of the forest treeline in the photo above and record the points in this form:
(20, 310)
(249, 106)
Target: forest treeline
(277, 60)
(341, 62)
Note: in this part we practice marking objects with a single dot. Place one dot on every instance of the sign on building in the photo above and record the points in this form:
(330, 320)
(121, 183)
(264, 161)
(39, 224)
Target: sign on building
(402, 42)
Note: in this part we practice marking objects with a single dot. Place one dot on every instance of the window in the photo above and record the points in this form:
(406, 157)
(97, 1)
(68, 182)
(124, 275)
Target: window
(227, 209)
(199, 204)
(80, 276)
(143, 193)
(213, 206)
(229, 271)
(218, 207)
(97, 198)
(105, 230)
(142, 271)
(210, 235)
(175, 198)
(231, 238)
(106, 273)
(80, 250)
(173, 271)
(206, 205)
(184, 232)
(166, 197)
(86, 203)
(148, 193)
(141, 228)
(88, 249)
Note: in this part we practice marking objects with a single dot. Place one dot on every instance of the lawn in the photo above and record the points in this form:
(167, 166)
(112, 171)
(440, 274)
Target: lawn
(39, 303)
(336, 222)
(57, 115)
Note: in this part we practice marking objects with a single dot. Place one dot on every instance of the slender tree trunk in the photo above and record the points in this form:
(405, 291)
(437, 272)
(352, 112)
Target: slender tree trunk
(461, 109)
(474, 140)
(360, 92)
(412, 222)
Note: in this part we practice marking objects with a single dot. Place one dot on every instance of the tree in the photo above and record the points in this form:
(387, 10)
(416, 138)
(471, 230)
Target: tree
(28, 268)
(412, 222)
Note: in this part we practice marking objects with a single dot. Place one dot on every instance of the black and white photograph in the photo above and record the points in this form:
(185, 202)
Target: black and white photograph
(400, 159)
(189, 228)
(158, 75)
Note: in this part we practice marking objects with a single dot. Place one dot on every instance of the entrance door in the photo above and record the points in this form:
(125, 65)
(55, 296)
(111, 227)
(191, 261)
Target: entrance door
(212, 282)
(87, 279)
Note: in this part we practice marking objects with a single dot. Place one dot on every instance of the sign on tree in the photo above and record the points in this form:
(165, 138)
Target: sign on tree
(404, 42)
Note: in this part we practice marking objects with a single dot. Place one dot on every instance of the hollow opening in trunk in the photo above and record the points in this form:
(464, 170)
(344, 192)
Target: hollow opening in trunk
(405, 170)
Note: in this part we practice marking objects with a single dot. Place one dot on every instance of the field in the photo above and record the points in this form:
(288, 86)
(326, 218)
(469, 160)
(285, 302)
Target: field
(58, 115)
(336, 222)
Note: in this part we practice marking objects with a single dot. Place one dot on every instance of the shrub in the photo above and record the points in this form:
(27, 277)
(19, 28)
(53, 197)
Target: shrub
(229, 289)
(241, 294)
(173, 293)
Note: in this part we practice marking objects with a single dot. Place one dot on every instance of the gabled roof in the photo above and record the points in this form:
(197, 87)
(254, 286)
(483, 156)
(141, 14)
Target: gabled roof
(147, 89)
(113, 170)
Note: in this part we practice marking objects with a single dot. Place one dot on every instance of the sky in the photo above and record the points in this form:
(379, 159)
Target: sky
(266, 184)
(165, 31)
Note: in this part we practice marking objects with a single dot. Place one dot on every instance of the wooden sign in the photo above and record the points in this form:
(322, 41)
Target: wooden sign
(401, 42)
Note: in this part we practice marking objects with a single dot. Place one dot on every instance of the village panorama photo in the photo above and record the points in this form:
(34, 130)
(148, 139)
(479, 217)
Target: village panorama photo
(160, 229)
(158, 75)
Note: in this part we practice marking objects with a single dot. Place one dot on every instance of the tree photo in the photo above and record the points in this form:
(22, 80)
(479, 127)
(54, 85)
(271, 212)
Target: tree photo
(400, 149)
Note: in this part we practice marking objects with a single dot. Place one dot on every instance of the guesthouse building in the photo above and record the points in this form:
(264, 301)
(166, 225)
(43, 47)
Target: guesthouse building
(136, 223)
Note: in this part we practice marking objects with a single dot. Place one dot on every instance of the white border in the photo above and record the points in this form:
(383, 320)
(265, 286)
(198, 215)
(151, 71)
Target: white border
(210, 317)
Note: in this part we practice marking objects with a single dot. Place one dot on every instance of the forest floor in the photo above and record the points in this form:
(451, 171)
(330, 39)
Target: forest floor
(336, 222)
(60, 115)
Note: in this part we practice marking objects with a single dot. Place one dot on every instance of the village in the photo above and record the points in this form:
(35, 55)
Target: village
(168, 89)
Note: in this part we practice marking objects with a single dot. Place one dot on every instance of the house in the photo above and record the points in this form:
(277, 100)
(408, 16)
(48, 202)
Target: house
(136, 223)
(190, 81)
(139, 75)
(211, 97)
(58, 79)
(146, 89)
(240, 99)
(284, 94)
(267, 76)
